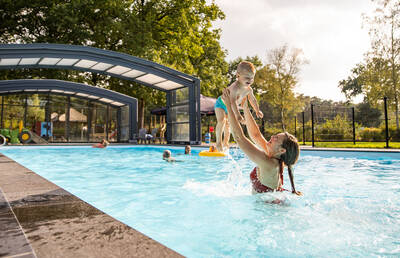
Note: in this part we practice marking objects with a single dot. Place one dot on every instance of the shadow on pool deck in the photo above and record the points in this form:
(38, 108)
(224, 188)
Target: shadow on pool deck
(36, 214)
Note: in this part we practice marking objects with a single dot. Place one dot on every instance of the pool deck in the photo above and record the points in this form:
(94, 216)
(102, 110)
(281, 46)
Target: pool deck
(40, 219)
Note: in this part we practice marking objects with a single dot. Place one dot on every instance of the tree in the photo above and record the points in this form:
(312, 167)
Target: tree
(384, 30)
(284, 65)
(367, 115)
(175, 33)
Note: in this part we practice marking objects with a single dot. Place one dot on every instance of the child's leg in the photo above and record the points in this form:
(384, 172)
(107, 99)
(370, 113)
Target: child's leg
(227, 133)
(221, 119)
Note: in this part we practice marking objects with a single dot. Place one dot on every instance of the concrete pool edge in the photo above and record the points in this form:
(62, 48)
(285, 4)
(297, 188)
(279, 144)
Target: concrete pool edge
(59, 224)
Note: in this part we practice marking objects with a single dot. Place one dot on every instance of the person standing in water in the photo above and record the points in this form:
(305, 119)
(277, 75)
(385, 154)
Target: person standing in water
(270, 156)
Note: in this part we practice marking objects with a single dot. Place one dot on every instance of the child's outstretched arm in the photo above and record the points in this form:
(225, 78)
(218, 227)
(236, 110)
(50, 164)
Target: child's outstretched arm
(254, 104)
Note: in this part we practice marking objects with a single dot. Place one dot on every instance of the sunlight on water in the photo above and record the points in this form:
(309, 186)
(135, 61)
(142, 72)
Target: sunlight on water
(203, 206)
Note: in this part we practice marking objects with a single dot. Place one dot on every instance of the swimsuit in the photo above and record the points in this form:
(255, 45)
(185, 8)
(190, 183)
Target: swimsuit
(259, 187)
(220, 104)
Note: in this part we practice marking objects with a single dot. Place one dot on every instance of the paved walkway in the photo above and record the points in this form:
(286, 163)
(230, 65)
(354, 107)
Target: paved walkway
(39, 218)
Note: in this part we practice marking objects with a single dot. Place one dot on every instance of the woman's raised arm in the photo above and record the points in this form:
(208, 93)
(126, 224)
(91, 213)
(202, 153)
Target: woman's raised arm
(252, 128)
(255, 154)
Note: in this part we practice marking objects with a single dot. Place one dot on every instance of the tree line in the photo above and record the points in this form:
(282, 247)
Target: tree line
(377, 75)
(179, 34)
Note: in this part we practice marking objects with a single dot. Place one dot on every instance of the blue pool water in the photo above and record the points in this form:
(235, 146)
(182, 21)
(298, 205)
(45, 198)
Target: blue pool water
(203, 207)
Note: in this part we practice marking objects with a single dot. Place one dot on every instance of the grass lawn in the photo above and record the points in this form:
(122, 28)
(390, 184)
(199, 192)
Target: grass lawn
(377, 145)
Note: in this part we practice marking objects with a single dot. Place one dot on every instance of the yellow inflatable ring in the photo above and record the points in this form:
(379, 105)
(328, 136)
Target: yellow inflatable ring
(206, 153)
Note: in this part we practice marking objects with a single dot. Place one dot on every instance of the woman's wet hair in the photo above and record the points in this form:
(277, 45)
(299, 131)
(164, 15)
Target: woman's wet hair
(289, 158)
(292, 148)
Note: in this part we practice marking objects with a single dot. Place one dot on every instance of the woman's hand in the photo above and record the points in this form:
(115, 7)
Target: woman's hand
(226, 97)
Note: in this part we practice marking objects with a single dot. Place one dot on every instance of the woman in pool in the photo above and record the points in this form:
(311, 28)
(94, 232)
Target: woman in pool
(103, 144)
(270, 156)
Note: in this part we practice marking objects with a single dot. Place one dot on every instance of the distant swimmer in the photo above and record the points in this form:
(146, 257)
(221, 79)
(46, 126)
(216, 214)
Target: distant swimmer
(102, 144)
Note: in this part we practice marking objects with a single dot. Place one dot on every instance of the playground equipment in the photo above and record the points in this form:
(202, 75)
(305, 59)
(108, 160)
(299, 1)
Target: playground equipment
(20, 135)
(17, 135)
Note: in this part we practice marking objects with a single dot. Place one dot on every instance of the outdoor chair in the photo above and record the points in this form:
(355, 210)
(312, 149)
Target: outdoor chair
(142, 136)
(154, 132)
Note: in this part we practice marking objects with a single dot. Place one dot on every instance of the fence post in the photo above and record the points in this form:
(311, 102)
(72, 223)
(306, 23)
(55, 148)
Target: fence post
(312, 124)
(354, 127)
(295, 126)
(386, 122)
(304, 134)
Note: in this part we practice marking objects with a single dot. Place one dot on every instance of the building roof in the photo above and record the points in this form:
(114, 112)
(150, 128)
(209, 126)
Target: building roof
(90, 59)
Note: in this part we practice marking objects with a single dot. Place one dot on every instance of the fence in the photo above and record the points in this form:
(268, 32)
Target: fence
(320, 123)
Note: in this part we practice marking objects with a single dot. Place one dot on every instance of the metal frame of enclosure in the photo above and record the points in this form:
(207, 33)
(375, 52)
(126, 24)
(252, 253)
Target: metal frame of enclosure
(109, 99)
(182, 90)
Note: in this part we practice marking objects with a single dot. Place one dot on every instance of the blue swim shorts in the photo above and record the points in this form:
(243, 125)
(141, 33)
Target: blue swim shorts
(220, 104)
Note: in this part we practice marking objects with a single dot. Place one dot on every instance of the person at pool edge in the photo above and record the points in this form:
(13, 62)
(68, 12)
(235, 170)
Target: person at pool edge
(270, 156)
(102, 144)
(239, 90)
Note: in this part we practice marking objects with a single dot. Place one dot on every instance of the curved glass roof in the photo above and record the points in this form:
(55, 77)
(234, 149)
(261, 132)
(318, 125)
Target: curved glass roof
(60, 56)
(66, 88)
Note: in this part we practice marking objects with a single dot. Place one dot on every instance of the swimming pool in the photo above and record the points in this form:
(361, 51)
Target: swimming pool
(203, 207)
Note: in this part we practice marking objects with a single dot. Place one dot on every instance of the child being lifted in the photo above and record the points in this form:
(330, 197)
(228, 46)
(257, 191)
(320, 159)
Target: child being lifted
(239, 90)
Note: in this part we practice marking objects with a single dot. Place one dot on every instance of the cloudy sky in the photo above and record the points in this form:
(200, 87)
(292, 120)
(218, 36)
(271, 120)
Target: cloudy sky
(329, 32)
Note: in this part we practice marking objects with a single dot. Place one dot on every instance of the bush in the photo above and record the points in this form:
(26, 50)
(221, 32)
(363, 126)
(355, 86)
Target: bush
(394, 134)
(372, 134)
(338, 128)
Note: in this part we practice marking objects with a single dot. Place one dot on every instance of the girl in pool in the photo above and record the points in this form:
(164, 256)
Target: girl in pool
(269, 156)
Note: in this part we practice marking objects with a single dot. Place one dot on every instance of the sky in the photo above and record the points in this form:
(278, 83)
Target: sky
(329, 32)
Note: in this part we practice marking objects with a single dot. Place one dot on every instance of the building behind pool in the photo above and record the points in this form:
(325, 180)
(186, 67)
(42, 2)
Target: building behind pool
(63, 111)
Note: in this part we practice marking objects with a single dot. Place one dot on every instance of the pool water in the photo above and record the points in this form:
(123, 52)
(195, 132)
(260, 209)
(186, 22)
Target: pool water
(203, 206)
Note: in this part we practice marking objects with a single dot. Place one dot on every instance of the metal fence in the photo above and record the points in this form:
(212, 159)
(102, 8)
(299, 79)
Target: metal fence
(320, 123)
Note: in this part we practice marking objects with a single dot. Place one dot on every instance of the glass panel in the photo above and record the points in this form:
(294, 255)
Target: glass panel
(85, 63)
(14, 99)
(180, 96)
(150, 78)
(125, 123)
(28, 61)
(112, 125)
(12, 115)
(180, 132)
(98, 122)
(58, 110)
(9, 61)
(78, 120)
(36, 112)
(67, 62)
(101, 66)
(49, 61)
(118, 69)
(169, 85)
(180, 113)
(133, 73)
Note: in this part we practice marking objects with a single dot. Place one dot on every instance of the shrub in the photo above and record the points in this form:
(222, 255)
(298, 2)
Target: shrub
(372, 134)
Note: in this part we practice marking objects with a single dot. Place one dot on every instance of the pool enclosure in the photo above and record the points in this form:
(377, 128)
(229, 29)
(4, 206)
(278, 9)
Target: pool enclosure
(74, 112)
